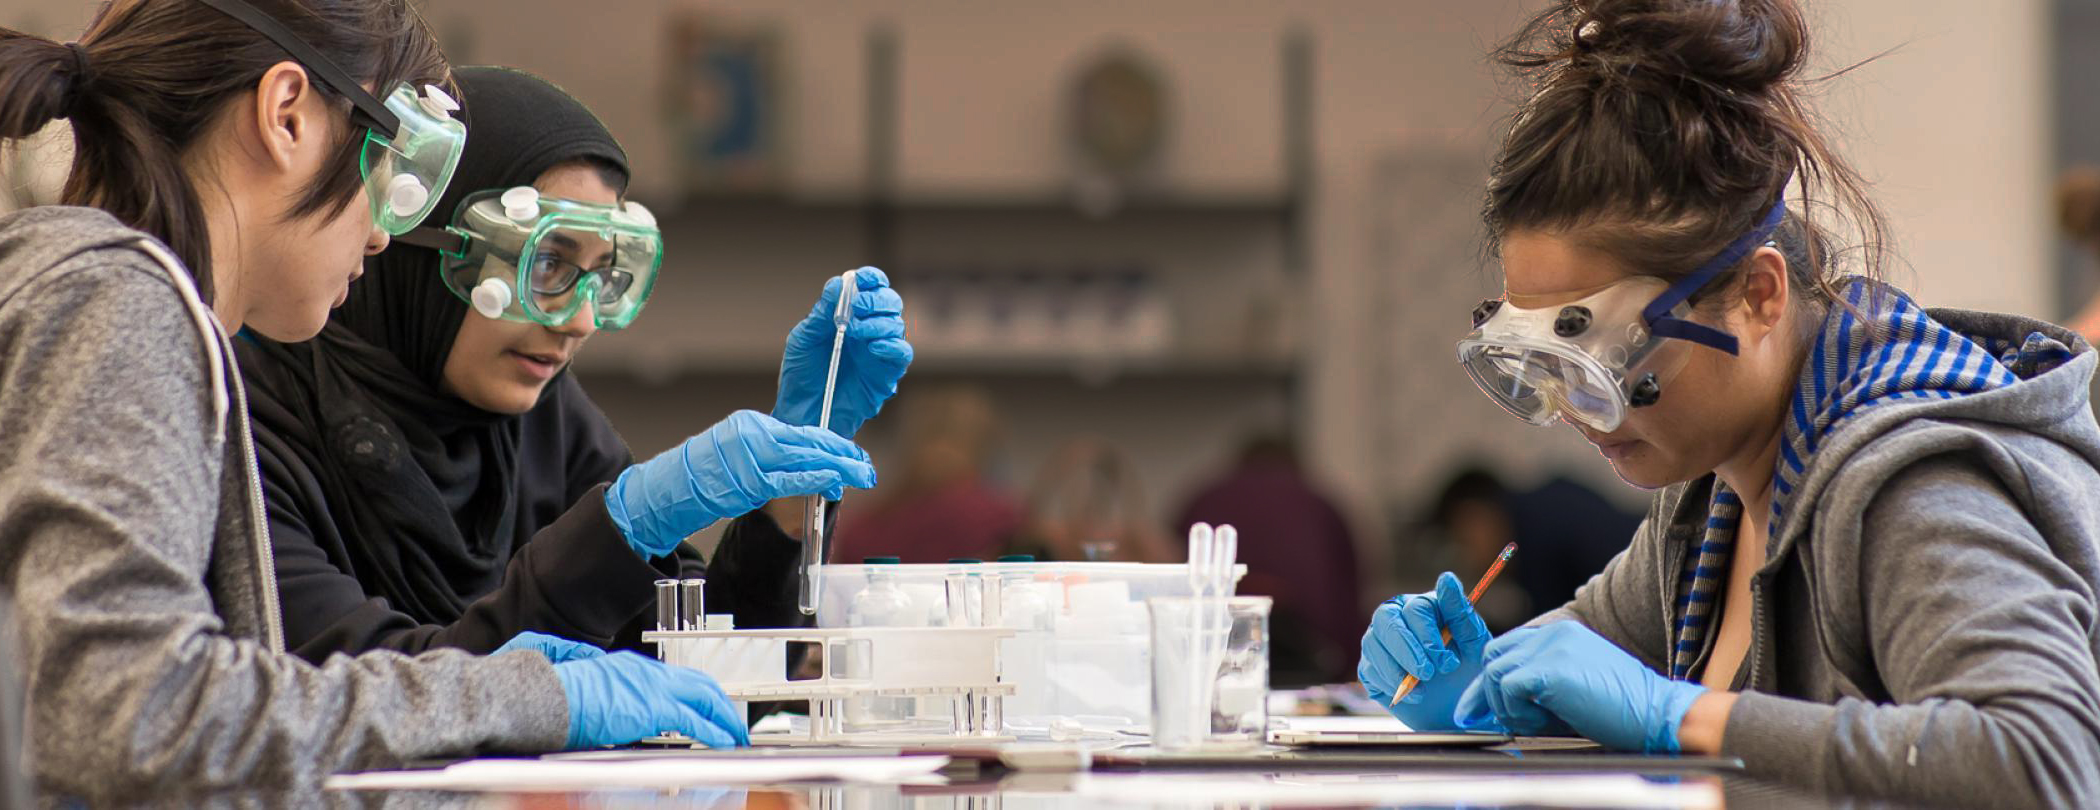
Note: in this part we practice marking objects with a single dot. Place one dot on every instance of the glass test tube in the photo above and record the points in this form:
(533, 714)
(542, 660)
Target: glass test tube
(667, 605)
(692, 603)
(811, 586)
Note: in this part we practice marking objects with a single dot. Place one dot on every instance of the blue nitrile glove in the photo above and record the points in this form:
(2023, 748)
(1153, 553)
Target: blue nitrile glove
(732, 468)
(872, 362)
(621, 697)
(1563, 676)
(555, 648)
(1406, 638)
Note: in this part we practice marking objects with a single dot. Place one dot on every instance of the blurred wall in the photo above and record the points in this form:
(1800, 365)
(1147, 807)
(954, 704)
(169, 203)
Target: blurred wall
(1953, 128)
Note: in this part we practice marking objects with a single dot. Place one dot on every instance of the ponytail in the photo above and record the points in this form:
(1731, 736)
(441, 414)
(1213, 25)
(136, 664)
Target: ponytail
(148, 77)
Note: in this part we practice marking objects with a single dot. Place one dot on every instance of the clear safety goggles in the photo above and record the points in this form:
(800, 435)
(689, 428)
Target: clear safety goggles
(519, 256)
(405, 172)
(1592, 360)
(1587, 361)
(412, 143)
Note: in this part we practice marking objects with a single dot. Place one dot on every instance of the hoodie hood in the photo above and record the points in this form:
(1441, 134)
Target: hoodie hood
(2028, 423)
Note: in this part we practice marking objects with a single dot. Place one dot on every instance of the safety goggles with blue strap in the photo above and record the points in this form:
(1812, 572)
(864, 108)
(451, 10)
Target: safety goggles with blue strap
(1592, 360)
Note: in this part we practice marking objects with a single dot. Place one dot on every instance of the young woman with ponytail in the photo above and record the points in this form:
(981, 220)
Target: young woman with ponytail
(1870, 564)
(234, 163)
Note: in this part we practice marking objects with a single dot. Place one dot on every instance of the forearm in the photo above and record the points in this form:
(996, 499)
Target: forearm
(1706, 724)
(2016, 752)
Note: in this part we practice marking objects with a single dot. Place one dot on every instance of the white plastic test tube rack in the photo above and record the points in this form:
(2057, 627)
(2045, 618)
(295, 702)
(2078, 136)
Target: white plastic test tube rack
(960, 663)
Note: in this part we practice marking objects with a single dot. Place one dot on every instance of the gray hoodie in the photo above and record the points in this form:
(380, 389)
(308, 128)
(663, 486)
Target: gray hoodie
(14, 776)
(151, 650)
(1924, 625)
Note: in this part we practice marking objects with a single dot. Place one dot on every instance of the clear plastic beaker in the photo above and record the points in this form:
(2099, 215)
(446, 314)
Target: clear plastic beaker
(1210, 672)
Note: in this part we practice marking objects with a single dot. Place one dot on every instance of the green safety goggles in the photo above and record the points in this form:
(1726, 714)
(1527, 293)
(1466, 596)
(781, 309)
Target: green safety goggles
(407, 171)
(518, 256)
(412, 142)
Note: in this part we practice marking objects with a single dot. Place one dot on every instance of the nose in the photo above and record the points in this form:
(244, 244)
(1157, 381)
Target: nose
(581, 325)
(377, 241)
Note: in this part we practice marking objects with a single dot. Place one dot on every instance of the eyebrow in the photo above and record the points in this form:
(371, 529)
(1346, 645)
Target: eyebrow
(564, 241)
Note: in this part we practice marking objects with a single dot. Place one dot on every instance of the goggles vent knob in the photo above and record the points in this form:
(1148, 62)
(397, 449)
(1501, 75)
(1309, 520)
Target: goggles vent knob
(521, 203)
(1572, 321)
(437, 102)
(491, 297)
(405, 195)
(639, 214)
(1645, 392)
(1485, 311)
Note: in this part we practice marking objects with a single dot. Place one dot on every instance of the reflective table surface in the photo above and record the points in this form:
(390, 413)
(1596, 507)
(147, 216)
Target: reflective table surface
(1055, 791)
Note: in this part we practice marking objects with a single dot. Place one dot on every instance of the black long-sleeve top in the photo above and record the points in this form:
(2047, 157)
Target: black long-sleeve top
(569, 573)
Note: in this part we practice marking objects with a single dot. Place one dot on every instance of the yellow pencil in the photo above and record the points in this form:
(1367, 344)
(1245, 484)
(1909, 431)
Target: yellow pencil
(1409, 683)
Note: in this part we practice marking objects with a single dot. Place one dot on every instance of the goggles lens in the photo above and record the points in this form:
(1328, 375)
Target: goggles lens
(562, 254)
(1536, 385)
(1574, 360)
(406, 174)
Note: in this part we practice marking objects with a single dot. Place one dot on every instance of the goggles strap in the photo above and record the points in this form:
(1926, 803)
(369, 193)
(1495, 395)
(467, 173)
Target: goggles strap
(443, 240)
(1657, 314)
(382, 118)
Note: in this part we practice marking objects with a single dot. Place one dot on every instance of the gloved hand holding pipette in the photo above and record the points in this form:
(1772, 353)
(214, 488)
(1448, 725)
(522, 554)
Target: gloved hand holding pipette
(873, 360)
(732, 468)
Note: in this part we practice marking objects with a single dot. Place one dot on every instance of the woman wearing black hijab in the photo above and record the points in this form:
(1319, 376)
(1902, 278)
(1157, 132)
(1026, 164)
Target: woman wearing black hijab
(435, 478)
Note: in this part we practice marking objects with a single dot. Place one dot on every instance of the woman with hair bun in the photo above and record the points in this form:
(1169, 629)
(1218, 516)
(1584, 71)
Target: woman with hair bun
(1869, 567)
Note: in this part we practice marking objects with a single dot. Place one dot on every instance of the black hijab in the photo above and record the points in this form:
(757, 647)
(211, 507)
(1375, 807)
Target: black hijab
(426, 495)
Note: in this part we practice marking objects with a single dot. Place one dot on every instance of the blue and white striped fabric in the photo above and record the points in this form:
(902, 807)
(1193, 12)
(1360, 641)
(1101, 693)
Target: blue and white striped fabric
(1889, 352)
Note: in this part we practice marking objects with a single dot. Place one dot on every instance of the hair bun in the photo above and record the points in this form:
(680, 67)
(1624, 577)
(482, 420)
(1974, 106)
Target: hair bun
(1743, 46)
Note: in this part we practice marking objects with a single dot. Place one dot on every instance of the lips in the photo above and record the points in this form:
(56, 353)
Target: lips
(539, 364)
(1615, 450)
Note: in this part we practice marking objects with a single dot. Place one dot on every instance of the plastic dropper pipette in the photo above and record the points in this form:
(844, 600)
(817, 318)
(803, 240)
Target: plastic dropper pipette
(813, 520)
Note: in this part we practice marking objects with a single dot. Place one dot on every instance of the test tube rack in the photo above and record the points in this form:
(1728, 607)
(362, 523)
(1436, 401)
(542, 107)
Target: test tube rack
(959, 663)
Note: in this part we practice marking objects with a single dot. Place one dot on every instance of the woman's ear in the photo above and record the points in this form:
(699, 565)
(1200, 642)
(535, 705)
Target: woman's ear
(287, 120)
(1765, 290)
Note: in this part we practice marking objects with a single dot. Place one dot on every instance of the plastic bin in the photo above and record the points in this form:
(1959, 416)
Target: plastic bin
(1081, 661)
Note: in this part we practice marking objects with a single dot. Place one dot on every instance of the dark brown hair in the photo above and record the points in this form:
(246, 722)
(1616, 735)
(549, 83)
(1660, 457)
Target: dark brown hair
(2078, 205)
(1658, 131)
(159, 71)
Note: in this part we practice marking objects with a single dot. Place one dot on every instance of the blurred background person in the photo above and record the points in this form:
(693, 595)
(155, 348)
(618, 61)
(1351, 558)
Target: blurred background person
(1298, 550)
(1565, 532)
(2078, 214)
(1086, 505)
(940, 503)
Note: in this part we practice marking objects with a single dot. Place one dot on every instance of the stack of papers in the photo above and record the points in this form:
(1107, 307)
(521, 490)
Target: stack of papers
(1463, 790)
(641, 771)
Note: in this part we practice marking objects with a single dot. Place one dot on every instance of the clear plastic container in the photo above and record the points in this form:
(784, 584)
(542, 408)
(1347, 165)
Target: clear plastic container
(1081, 664)
(881, 603)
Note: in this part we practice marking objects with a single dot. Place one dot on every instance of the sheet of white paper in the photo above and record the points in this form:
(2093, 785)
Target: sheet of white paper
(1469, 790)
(1342, 724)
(660, 772)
